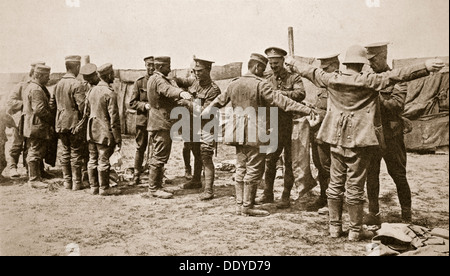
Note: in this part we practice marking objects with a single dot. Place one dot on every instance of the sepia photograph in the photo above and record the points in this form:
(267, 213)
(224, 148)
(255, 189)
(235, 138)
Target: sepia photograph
(224, 128)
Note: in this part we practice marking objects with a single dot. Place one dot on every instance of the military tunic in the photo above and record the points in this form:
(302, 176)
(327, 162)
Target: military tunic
(69, 98)
(352, 124)
(103, 128)
(137, 102)
(162, 95)
(38, 125)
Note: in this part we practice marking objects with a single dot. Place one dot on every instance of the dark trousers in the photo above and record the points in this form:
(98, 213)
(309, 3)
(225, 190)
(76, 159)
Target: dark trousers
(321, 156)
(162, 146)
(284, 142)
(72, 150)
(395, 158)
(141, 146)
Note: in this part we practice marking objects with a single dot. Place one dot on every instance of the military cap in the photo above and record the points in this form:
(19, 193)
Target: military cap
(275, 52)
(162, 60)
(356, 54)
(202, 64)
(326, 61)
(376, 48)
(73, 58)
(42, 69)
(33, 64)
(88, 69)
(149, 59)
(262, 59)
(105, 69)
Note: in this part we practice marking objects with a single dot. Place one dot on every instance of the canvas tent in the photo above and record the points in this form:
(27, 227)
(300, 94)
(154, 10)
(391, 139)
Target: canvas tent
(427, 106)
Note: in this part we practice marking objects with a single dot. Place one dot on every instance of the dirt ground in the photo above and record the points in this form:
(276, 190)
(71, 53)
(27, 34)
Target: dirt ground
(53, 222)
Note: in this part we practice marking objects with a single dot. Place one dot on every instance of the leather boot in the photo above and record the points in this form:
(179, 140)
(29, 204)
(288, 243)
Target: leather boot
(93, 181)
(195, 182)
(248, 200)
(335, 211)
(105, 189)
(155, 183)
(372, 219)
(285, 200)
(188, 173)
(267, 196)
(357, 232)
(67, 176)
(208, 192)
(34, 176)
(406, 215)
(77, 177)
(138, 159)
(239, 189)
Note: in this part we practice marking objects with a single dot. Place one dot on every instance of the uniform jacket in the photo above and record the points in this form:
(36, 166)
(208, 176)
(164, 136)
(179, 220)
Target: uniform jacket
(104, 120)
(139, 100)
(15, 99)
(68, 98)
(204, 92)
(39, 119)
(392, 100)
(290, 85)
(252, 91)
(353, 116)
(162, 95)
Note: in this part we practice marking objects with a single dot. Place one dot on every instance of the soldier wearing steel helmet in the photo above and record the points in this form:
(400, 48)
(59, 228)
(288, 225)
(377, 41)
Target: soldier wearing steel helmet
(352, 127)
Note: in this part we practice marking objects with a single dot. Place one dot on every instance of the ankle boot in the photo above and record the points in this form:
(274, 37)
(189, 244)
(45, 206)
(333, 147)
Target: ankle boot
(105, 189)
(248, 200)
(77, 177)
(155, 183)
(335, 213)
(67, 176)
(93, 181)
(357, 232)
(34, 176)
(239, 188)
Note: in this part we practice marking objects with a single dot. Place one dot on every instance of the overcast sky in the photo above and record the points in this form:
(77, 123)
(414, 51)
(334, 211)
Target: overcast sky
(123, 32)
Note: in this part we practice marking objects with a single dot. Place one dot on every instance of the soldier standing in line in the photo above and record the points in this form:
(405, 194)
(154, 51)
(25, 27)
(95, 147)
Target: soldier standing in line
(253, 92)
(38, 125)
(139, 102)
(392, 101)
(162, 95)
(204, 91)
(103, 131)
(15, 104)
(90, 79)
(352, 127)
(291, 86)
(321, 151)
(69, 100)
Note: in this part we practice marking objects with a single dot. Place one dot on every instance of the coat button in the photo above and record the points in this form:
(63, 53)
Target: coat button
(348, 137)
(339, 134)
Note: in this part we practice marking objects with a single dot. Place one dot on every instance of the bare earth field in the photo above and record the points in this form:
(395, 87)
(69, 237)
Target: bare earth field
(44, 222)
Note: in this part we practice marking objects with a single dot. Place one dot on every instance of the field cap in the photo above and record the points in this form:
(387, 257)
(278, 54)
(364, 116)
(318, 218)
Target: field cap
(262, 59)
(274, 52)
(376, 49)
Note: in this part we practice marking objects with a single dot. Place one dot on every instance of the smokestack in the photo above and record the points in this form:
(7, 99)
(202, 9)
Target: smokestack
(291, 41)
(86, 59)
